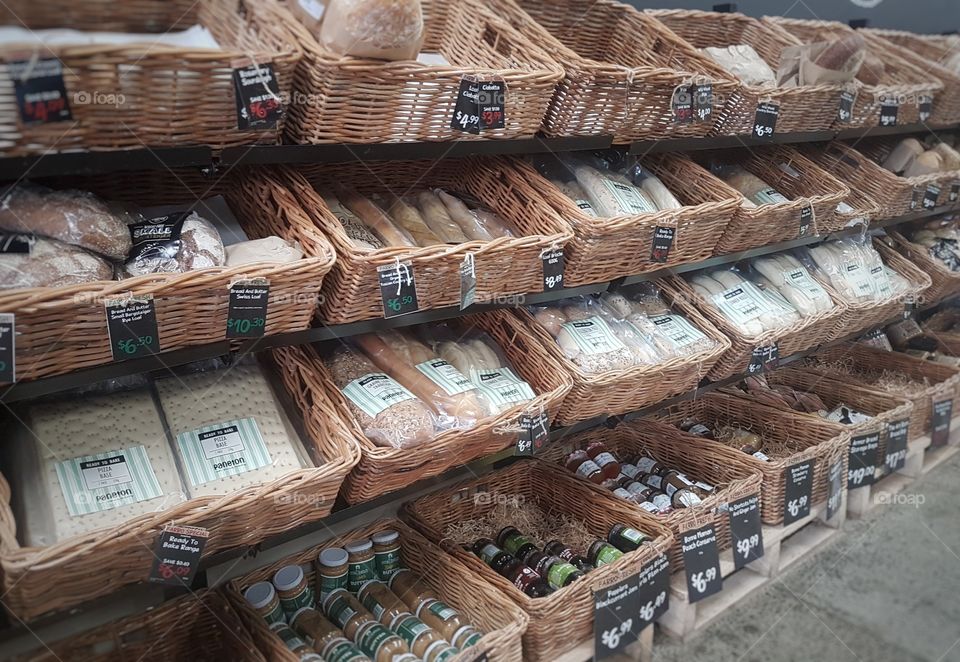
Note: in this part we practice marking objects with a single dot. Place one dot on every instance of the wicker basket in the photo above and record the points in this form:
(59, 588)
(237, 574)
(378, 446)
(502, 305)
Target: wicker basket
(722, 467)
(202, 626)
(797, 337)
(899, 195)
(139, 95)
(355, 100)
(797, 438)
(802, 108)
(621, 69)
(620, 391)
(501, 621)
(901, 81)
(883, 408)
(596, 252)
(927, 56)
(95, 564)
(382, 470)
(504, 267)
(564, 619)
(859, 208)
(798, 178)
(861, 364)
(941, 326)
(64, 329)
(945, 283)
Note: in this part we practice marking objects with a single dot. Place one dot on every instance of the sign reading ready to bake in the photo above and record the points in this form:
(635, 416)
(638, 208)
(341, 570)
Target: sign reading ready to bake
(176, 556)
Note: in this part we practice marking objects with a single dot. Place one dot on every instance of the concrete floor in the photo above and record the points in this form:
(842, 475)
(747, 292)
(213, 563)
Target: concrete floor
(886, 591)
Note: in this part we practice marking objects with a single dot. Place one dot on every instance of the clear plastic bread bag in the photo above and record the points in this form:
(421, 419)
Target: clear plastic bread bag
(741, 302)
(609, 191)
(387, 412)
(477, 222)
(476, 354)
(785, 276)
(673, 333)
(854, 268)
(174, 242)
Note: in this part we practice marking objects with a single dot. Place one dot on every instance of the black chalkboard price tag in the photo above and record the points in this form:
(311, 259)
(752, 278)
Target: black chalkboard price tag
(682, 104)
(466, 112)
(398, 289)
(176, 556)
(765, 120)
(916, 197)
(930, 196)
(896, 452)
(862, 461)
(534, 433)
(845, 110)
(654, 582)
(8, 353)
(468, 281)
(925, 107)
(615, 622)
(702, 94)
(806, 221)
(492, 102)
(799, 493)
(663, 236)
(132, 327)
(247, 308)
(259, 106)
(701, 562)
(940, 422)
(835, 489)
(763, 358)
(40, 91)
(888, 111)
(553, 266)
(746, 531)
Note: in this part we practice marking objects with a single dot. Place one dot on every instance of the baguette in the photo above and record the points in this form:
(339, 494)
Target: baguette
(374, 218)
(438, 219)
(464, 217)
(408, 218)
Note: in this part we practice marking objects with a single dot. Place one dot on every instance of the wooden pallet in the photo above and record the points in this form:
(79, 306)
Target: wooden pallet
(642, 651)
(783, 546)
(864, 499)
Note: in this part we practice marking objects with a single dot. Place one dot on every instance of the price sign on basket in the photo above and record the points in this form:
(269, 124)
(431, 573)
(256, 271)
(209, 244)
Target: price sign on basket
(765, 120)
(663, 236)
(806, 221)
(896, 453)
(845, 110)
(534, 433)
(615, 617)
(553, 266)
(398, 289)
(746, 532)
(940, 422)
(930, 196)
(835, 488)
(798, 495)
(701, 562)
(682, 104)
(763, 358)
(40, 91)
(247, 308)
(468, 281)
(8, 354)
(132, 327)
(654, 582)
(702, 94)
(889, 108)
(176, 556)
(925, 107)
(862, 461)
(954, 192)
(257, 91)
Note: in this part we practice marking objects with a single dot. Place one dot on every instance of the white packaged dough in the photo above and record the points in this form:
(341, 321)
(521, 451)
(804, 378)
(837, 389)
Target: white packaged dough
(230, 430)
(92, 463)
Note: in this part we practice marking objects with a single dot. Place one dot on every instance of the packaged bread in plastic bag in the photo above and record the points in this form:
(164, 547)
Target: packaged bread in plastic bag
(790, 278)
(642, 306)
(855, 270)
(377, 29)
(747, 307)
(387, 412)
(176, 242)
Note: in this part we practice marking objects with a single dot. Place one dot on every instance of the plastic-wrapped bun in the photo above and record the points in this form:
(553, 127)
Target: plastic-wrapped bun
(51, 263)
(378, 29)
(387, 412)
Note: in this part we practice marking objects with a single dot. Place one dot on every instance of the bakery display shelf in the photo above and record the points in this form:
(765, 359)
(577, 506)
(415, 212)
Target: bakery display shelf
(166, 361)
(90, 162)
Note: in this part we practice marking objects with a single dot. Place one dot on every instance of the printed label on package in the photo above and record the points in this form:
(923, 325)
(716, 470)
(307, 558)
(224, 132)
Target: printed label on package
(16, 244)
(376, 392)
(681, 332)
(8, 352)
(862, 461)
(501, 386)
(94, 483)
(40, 91)
(446, 376)
(593, 336)
(799, 491)
(259, 106)
(247, 308)
(765, 120)
(176, 555)
(398, 290)
(224, 449)
(701, 562)
(746, 530)
(156, 239)
(132, 327)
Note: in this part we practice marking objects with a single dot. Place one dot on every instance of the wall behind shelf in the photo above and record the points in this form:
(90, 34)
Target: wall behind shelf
(925, 16)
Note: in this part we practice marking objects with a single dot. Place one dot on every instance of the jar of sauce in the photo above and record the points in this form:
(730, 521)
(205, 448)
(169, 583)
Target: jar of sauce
(580, 463)
(386, 552)
(332, 568)
(380, 643)
(661, 502)
(405, 585)
(440, 651)
(314, 628)
(603, 553)
(493, 556)
(626, 539)
(630, 470)
(514, 542)
(361, 564)
(346, 612)
(342, 650)
(557, 548)
(609, 465)
(381, 602)
(418, 635)
(292, 587)
(294, 644)
(262, 596)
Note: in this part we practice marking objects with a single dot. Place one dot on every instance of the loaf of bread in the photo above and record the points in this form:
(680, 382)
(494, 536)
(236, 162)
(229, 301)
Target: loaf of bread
(753, 188)
(262, 444)
(475, 355)
(950, 158)
(269, 249)
(387, 412)
(374, 218)
(744, 62)
(64, 495)
(379, 29)
(51, 263)
(407, 217)
(903, 155)
(199, 247)
(926, 164)
(358, 233)
(438, 219)
(465, 218)
(872, 70)
(73, 217)
(843, 54)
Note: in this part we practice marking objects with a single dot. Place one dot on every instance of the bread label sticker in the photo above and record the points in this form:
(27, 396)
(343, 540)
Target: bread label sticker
(858, 279)
(225, 449)
(765, 120)
(40, 90)
(313, 7)
(802, 280)
(247, 308)
(376, 392)
(257, 92)
(889, 107)
(398, 289)
(896, 452)
(925, 107)
(663, 237)
(740, 304)
(701, 561)
(615, 617)
(845, 109)
(554, 264)
(501, 386)
(680, 332)
(863, 459)
(16, 244)
(132, 327)
(8, 354)
(930, 196)
(155, 242)
(769, 196)
(177, 554)
(446, 376)
(746, 532)
(94, 483)
(835, 489)
(628, 197)
(593, 336)
(940, 422)
(798, 495)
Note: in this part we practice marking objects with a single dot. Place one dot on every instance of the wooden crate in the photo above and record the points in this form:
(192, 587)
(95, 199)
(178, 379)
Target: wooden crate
(641, 651)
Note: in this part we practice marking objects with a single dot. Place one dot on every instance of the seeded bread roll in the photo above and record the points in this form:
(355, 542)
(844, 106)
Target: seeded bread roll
(52, 264)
